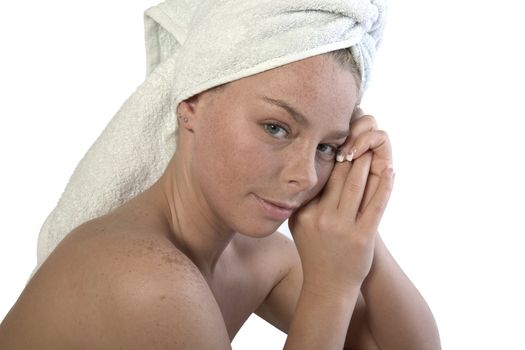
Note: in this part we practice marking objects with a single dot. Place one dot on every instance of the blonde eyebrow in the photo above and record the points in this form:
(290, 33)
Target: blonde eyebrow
(296, 115)
(299, 117)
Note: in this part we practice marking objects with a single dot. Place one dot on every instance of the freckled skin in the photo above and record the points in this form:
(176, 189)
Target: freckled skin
(234, 157)
(185, 263)
(138, 277)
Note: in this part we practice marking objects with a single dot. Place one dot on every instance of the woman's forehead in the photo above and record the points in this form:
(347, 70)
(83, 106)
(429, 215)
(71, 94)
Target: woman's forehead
(318, 84)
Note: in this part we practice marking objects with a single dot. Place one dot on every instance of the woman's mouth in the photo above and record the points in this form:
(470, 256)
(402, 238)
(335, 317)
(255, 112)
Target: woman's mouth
(276, 210)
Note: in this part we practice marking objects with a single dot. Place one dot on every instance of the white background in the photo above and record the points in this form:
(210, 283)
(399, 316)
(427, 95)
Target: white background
(447, 87)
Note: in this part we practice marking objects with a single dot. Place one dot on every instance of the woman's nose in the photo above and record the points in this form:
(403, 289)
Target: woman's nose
(300, 170)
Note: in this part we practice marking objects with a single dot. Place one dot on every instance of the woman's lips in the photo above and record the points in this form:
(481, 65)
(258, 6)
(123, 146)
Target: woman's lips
(276, 210)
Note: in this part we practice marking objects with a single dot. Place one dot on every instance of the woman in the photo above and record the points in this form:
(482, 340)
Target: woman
(184, 263)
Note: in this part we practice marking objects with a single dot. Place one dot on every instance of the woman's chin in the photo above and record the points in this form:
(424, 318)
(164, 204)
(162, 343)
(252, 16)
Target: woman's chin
(259, 230)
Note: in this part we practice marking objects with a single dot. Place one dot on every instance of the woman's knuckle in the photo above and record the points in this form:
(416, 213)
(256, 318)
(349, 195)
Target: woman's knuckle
(325, 223)
(355, 187)
(304, 215)
(361, 239)
(378, 208)
(382, 133)
(370, 120)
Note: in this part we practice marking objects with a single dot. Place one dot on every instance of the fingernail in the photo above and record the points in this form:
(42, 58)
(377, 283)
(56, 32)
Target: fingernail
(340, 157)
(350, 156)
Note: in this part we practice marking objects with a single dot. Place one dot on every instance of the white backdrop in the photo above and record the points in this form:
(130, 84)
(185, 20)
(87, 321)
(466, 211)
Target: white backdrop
(447, 88)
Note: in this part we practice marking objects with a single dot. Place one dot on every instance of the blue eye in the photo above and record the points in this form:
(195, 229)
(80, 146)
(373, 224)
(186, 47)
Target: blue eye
(275, 130)
(327, 150)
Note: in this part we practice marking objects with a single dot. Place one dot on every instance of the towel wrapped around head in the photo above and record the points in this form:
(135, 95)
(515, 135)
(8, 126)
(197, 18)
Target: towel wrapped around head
(192, 46)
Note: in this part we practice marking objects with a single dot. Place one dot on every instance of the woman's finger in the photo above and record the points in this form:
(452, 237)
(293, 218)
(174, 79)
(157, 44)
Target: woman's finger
(378, 142)
(373, 212)
(332, 191)
(359, 123)
(364, 122)
(354, 186)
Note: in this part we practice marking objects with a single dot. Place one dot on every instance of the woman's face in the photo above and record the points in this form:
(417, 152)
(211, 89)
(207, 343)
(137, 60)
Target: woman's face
(264, 145)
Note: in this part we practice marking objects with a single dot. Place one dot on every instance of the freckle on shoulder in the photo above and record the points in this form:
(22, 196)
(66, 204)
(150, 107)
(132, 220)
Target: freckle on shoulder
(160, 252)
(128, 251)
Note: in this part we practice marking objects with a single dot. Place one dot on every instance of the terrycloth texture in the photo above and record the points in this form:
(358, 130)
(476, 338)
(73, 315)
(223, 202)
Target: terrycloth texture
(191, 46)
(232, 39)
(129, 156)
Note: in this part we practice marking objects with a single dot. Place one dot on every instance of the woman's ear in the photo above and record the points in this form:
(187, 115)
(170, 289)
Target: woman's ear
(187, 113)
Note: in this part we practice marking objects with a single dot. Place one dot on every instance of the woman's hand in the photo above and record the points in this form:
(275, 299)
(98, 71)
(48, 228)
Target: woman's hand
(335, 232)
(365, 136)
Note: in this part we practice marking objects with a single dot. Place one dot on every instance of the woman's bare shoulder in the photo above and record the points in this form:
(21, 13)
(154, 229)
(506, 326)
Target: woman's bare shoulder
(103, 289)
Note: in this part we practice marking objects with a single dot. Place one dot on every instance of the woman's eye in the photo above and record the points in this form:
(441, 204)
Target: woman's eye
(327, 150)
(275, 130)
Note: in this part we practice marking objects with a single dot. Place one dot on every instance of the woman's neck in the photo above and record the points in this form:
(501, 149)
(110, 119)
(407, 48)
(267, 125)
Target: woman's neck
(190, 222)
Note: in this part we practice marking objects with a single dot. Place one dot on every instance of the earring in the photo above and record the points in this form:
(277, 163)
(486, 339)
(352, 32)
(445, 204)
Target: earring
(184, 119)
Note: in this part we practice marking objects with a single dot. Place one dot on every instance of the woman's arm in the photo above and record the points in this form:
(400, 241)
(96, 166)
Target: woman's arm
(321, 318)
(394, 315)
(397, 314)
(391, 310)
(336, 247)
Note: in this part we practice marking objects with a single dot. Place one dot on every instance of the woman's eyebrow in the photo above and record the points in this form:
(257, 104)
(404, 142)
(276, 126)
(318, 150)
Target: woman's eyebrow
(296, 115)
(299, 117)
(343, 134)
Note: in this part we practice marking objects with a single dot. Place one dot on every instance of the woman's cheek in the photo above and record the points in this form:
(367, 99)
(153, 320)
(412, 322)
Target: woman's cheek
(324, 170)
(323, 174)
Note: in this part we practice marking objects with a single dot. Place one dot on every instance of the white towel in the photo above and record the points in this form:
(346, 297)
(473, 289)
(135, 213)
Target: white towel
(192, 46)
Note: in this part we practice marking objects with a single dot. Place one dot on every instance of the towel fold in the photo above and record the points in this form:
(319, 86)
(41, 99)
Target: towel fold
(192, 46)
